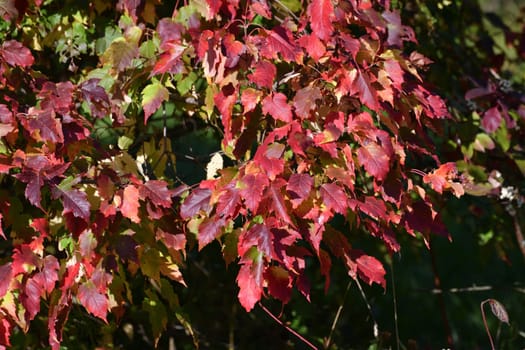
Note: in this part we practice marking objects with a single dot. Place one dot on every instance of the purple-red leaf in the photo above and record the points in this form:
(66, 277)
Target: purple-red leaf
(93, 300)
(279, 283)
(498, 310)
(252, 190)
(367, 93)
(280, 41)
(491, 120)
(198, 200)
(250, 281)
(304, 100)
(16, 54)
(43, 125)
(371, 270)
(157, 192)
(6, 273)
(334, 197)
(299, 187)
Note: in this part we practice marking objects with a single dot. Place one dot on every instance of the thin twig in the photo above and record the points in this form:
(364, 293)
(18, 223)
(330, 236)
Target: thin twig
(328, 341)
(376, 327)
(441, 299)
(396, 326)
(300, 337)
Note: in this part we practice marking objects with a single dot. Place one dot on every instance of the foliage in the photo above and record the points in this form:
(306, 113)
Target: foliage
(311, 115)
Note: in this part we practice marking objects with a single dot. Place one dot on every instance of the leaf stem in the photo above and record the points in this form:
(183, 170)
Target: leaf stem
(485, 323)
(300, 337)
(328, 341)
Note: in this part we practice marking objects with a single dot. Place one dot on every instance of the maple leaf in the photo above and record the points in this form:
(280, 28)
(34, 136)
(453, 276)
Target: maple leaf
(264, 74)
(367, 94)
(157, 191)
(257, 236)
(96, 97)
(370, 270)
(152, 97)
(48, 277)
(58, 97)
(442, 179)
(304, 100)
(314, 47)
(130, 203)
(334, 197)
(279, 283)
(169, 30)
(198, 200)
(225, 100)
(250, 281)
(299, 187)
(171, 241)
(321, 13)
(120, 54)
(252, 190)
(375, 159)
(30, 298)
(170, 60)
(277, 106)
(491, 120)
(280, 41)
(5, 331)
(277, 203)
(209, 229)
(373, 207)
(249, 99)
(16, 54)
(95, 302)
(73, 200)
(43, 125)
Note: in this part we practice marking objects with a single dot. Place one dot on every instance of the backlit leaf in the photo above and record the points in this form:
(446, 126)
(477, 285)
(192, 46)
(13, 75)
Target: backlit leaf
(375, 159)
(157, 192)
(334, 197)
(198, 200)
(95, 302)
(320, 13)
(264, 74)
(130, 203)
(277, 106)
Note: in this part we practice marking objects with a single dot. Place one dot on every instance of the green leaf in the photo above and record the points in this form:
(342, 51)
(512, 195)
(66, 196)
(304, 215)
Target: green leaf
(158, 317)
(152, 97)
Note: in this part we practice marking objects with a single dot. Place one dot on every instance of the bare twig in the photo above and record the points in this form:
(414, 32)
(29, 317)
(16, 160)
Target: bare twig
(485, 323)
(276, 319)
(328, 341)
(441, 300)
(396, 326)
(376, 327)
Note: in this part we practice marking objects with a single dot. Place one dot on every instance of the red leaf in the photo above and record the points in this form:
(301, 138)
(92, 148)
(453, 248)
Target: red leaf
(6, 273)
(156, 191)
(170, 60)
(277, 106)
(96, 97)
(225, 100)
(321, 13)
(5, 330)
(33, 290)
(280, 41)
(49, 274)
(491, 120)
(304, 100)
(278, 204)
(371, 270)
(250, 281)
(441, 177)
(130, 203)
(249, 99)
(374, 207)
(16, 54)
(264, 74)
(198, 200)
(279, 283)
(95, 302)
(252, 191)
(334, 197)
(259, 236)
(24, 260)
(395, 73)
(209, 229)
(367, 94)
(375, 160)
(172, 241)
(153, 95)
(43, 125)
(229, 202)
(314, 47)
(299, 187)
(169, 30)
(74, 201)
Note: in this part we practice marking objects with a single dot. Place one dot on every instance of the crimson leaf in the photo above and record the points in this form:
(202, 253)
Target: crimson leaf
(321, 13)
(16, 54)
(277, 106)
(94, 301)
